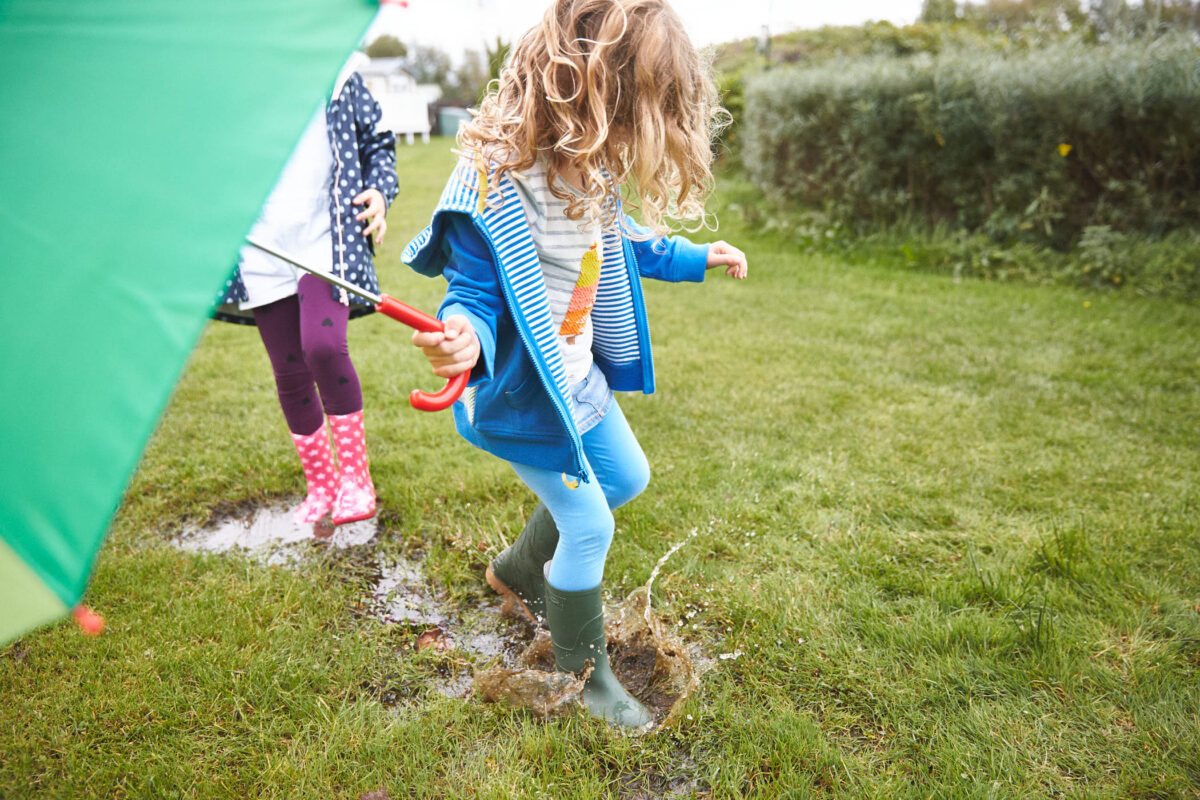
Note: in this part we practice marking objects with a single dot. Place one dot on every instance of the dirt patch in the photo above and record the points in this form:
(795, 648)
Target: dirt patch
(544, 692)
(653, 663)
(653, 784)
(477, 647)
(403, 596)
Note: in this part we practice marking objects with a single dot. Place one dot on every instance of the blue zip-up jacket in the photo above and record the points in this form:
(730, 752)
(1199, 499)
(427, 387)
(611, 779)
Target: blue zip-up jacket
(364, 157)
(518, 403)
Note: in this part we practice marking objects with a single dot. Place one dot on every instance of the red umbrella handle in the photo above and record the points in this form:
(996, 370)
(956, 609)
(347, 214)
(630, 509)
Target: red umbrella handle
(391, 307)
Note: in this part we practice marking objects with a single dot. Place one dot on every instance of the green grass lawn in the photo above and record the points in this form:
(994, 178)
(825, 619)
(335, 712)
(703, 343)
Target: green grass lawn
(952, 526)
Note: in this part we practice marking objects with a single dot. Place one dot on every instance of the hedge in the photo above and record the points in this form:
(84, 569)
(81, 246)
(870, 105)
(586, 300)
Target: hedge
(1027, 146)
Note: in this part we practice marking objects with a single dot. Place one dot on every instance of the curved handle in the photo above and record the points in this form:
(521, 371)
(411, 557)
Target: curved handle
(437, 401)
(422, 401)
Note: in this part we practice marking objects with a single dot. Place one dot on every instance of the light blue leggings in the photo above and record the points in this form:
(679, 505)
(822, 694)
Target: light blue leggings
(584, 514)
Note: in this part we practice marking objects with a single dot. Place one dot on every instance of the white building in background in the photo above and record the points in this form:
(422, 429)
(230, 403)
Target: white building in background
(404, 102)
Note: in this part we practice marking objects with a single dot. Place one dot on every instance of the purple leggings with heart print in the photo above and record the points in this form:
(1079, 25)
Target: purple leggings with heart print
(305, 337)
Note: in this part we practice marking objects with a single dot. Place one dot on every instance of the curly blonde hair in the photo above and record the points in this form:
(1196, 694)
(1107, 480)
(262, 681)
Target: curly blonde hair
(611, 94)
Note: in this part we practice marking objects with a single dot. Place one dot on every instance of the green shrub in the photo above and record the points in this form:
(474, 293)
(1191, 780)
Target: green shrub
(738, 61)
(1170, 265)
(1032, 146)
(1103, 259)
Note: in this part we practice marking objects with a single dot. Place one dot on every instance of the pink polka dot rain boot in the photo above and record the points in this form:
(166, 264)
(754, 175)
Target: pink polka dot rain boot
(319, 472)
(355, 498)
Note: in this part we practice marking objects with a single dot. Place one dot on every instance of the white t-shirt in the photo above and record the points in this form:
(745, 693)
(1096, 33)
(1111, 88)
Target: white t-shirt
(294, 219)
(571, 258)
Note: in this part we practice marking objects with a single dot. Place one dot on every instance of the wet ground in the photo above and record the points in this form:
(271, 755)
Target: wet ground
(270, 536)
(491, 651)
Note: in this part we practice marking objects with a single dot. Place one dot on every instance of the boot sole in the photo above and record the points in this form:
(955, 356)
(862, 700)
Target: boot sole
(358, 518)
(348, 520)
(504, 591)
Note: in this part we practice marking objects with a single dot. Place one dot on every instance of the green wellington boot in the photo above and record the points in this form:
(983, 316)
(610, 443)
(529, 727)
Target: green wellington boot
(577, 631)
(517, 572)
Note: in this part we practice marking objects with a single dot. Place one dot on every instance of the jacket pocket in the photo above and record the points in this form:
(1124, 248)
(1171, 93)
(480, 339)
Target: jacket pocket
(515, 404)
(522, 395)
(523, 411)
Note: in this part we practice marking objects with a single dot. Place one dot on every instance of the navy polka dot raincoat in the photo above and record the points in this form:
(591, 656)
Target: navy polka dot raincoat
(365, 158)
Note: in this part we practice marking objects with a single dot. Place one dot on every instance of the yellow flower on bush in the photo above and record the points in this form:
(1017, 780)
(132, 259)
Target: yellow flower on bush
(1065, 149)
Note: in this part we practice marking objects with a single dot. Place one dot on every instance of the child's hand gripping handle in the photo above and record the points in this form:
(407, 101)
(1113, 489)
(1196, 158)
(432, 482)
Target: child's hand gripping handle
(413, 318)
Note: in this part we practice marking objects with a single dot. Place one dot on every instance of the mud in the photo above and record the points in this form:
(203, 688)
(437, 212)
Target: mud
(653, 784)
(651, 661)
(465, 636)
(653, 664)
(475, 648)
(545, 693)
(401, 594)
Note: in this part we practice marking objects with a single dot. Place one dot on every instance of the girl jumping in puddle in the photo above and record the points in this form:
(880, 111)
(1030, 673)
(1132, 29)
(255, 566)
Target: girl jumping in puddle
(544, 302)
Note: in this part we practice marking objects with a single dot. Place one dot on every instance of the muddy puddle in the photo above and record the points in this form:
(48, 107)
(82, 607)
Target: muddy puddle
(654, 664)
(269, 536)
(477, 648)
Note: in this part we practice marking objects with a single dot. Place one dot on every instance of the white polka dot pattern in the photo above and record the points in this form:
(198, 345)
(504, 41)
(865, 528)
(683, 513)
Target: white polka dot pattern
(366, 159)
(355, 497)
(321, 474)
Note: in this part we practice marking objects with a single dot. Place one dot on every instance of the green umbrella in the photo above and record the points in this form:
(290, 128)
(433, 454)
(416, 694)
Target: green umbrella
(139, 140)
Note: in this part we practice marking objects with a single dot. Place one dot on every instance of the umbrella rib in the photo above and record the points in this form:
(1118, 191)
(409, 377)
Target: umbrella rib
(325, 276)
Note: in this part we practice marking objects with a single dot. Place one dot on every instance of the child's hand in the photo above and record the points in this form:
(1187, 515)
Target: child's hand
(450, 352)
(721, 254)
(375, 210)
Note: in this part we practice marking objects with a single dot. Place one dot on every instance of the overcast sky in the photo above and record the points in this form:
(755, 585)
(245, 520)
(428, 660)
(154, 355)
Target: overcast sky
(457, 25)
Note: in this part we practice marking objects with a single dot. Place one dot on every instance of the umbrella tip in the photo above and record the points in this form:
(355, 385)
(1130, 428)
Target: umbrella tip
(91, 623)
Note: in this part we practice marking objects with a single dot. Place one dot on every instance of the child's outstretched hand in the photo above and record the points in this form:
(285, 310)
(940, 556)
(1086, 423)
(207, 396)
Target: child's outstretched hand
(450, 352)
(375, 210)
(723, 254)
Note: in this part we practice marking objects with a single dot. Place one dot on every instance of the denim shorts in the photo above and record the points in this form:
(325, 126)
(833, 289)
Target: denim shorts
(592, 398)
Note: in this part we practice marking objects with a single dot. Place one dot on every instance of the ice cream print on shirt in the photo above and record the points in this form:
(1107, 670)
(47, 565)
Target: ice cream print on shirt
(570, 252)
(584, 296)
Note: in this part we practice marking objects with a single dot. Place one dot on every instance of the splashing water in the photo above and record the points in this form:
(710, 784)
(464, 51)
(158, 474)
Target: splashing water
(651, 662)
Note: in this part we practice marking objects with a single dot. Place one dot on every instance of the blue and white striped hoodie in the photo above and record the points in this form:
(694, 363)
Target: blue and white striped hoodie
(518, 403)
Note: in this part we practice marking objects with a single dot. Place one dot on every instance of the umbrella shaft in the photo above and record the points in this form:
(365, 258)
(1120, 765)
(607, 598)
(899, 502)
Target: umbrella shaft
(325, 276)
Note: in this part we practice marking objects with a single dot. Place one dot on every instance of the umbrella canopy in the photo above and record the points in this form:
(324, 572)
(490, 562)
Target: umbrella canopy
(139, 140)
